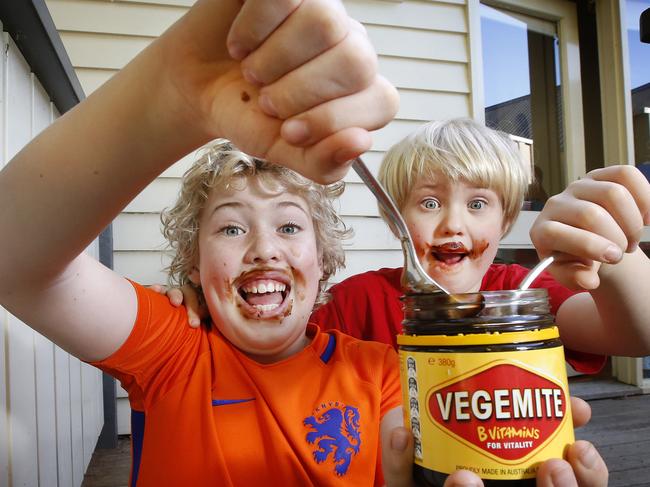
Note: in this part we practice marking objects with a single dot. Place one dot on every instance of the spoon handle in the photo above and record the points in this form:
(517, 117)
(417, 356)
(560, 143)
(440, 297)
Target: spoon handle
(535, 272)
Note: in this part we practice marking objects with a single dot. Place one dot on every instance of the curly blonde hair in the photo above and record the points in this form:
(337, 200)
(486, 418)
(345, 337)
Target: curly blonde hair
(219, 166)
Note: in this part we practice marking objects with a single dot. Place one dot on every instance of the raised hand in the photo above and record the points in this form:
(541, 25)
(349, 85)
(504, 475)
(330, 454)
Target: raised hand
(306, 93)
(595, 220)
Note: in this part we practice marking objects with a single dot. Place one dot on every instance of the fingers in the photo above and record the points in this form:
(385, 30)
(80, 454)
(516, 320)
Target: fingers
(556, 473)
(633, 180)
(342, 70)
(256, 20)
(396, 450)
(588, 466)
(326, 161)
(369, 109)
(580, 411)
(159, 288)
(609, 198)
(185, 295)
(191, 299)
(175, 296)
(584, 467)
(316, 26)
(397, 459)
(463, 478)
(578, 227)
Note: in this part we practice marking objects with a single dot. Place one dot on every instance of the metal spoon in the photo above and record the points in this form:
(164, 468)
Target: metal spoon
(414, 278)
(535, 272)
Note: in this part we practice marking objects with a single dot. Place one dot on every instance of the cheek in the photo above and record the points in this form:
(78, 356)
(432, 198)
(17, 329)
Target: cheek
(421, 240)
(480, 248)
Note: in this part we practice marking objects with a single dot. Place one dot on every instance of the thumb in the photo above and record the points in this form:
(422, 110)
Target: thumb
(397, 458)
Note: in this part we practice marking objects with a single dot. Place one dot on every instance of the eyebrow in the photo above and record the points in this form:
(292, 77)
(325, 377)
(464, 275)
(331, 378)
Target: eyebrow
(237, 204)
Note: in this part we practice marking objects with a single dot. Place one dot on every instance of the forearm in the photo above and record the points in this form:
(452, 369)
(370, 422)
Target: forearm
(612, 319)
(623, 303)
(66, 185)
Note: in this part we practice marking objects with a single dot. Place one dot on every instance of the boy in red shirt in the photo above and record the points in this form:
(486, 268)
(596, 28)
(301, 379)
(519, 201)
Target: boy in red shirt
(260, 396)
(460, 187)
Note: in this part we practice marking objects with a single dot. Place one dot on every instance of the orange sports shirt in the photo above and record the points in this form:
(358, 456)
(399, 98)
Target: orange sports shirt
(206, 414)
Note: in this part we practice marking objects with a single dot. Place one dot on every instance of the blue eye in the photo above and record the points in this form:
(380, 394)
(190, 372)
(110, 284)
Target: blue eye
(430, 204)
(290, 229)
(476, 204)
(232, 231)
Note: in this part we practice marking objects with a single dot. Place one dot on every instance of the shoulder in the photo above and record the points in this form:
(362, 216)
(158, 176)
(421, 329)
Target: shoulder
(158, 325)
(364, 355)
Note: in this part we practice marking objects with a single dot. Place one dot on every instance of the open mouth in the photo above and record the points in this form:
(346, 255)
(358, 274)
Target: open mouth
(448, 258)
(264, 296)
(450, 253)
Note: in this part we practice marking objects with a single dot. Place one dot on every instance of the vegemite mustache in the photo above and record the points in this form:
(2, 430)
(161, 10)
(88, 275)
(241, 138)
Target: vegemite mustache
(450, 248)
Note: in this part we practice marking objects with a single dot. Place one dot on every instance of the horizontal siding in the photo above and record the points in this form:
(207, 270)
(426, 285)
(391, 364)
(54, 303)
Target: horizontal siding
(416, 43)
(425, 75)
(440, 16)
(91, 79)
(116, 51)
(113, 18)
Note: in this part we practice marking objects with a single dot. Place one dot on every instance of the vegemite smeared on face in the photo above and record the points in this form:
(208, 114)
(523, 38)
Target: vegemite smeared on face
(486, 393)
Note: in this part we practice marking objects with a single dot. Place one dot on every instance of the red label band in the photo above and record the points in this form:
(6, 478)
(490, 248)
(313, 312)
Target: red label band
(505, 410)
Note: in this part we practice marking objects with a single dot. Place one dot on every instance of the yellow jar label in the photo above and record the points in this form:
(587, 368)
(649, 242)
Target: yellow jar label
(498, 415)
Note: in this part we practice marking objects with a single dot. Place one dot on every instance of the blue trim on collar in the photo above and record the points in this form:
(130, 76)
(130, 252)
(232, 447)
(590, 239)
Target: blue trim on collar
(329, 350)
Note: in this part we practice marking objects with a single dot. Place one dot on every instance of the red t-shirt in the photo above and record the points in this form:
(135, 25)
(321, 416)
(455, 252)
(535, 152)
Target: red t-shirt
(208, 415)
(367, 306)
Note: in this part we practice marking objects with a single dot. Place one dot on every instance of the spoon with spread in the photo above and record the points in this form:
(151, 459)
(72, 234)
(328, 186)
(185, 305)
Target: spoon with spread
(414, 278)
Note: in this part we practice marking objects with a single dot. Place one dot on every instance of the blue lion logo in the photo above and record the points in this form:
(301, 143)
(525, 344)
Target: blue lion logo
(337, 432)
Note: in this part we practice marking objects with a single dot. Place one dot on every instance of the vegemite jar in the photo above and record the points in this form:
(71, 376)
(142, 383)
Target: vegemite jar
(484, 385)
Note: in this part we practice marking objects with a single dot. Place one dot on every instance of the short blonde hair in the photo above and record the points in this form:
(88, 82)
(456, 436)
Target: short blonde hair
(220, 166)
(460, 150)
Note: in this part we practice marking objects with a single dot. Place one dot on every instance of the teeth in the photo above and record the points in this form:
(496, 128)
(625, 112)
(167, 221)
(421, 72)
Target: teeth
(266, 307)
(265, 288)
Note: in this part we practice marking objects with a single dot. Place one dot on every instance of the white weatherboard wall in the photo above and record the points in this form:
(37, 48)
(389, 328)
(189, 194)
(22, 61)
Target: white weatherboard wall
(424, 49)
(51, 402)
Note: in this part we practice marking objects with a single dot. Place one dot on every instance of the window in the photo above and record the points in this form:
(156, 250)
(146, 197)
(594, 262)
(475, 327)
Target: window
(639, 56)
(523, 93)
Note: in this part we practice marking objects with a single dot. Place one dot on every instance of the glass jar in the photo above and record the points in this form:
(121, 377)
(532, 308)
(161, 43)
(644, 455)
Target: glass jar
(484, 385)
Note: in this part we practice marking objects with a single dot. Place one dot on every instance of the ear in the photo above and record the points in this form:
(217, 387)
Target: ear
(195, 276)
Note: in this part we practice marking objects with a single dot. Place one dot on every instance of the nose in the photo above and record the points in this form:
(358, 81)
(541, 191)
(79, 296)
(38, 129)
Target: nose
(262, 248)
(451, 221)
